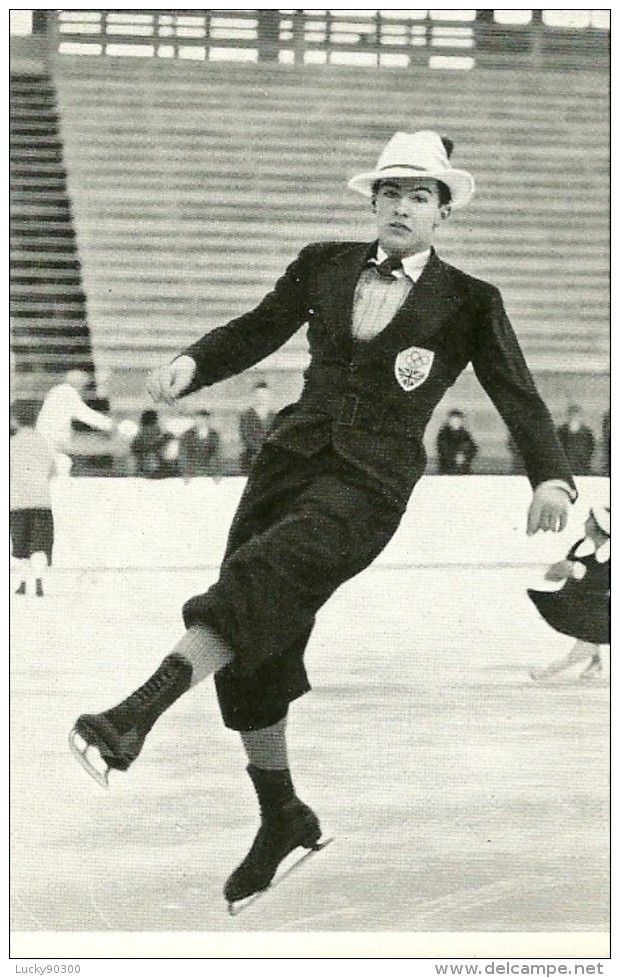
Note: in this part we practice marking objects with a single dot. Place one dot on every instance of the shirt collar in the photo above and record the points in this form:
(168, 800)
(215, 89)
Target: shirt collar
(413, 265)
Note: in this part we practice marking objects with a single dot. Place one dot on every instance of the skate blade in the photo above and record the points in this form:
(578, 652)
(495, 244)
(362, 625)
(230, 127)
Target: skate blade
(234, 909)
(90, 758)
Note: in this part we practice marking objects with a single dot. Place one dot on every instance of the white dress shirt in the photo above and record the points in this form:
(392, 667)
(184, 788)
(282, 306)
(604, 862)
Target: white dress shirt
(377, 298)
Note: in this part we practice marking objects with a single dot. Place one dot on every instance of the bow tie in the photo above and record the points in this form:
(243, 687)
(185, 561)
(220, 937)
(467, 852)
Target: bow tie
(388, 267)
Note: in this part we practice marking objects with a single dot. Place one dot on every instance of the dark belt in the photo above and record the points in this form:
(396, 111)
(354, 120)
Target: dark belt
(348, 409)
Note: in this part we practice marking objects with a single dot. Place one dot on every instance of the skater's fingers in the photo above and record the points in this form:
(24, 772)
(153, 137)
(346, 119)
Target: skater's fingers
(534, 516)
(167, 383)
(556, 517)
(154, 386)
(182, 372)
(546, 519)
(159, 385)
(548, 510)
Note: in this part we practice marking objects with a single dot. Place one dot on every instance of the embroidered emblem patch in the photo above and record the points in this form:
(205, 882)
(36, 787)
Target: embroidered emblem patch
(413, 366)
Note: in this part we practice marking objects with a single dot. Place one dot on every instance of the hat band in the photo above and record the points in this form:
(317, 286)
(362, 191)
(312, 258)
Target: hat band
(402, 166)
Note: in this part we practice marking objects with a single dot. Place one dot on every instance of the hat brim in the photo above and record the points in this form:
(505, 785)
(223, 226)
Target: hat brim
(460, 183)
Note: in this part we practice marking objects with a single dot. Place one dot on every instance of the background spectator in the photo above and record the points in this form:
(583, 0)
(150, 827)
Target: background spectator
(151, 449)
(606, 444)
(30, 520)
(456, 449)
(577, 440)
(254, 424)
(200, 449)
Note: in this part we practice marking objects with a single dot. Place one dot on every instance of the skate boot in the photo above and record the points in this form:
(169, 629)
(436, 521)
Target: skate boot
(117, 735)
(286, 823)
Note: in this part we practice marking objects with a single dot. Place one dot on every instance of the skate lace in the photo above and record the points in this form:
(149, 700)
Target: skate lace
(153, 687)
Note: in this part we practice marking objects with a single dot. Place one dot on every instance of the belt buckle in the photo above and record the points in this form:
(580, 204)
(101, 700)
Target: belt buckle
(348, 409)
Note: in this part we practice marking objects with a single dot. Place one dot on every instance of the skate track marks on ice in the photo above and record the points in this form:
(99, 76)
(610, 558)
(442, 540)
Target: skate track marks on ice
(462, 797)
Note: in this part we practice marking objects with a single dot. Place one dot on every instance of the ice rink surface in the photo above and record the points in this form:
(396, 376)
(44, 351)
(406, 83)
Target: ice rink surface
(462, 796)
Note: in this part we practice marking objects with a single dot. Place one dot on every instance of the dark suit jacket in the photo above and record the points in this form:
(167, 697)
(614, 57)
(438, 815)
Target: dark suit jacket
(352, 397)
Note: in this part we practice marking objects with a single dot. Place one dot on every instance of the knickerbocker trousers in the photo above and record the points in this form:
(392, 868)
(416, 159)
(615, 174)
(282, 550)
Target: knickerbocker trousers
(304, 526)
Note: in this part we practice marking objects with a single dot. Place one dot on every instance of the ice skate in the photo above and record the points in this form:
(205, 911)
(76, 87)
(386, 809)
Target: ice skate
(113, 739)
(286, 824)
(280, 834)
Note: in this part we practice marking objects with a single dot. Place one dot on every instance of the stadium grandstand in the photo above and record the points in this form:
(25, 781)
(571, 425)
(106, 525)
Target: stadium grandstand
(166, 166)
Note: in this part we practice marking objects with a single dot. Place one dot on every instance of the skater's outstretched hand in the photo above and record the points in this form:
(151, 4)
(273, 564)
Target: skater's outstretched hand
(167, 383)
(548, 510)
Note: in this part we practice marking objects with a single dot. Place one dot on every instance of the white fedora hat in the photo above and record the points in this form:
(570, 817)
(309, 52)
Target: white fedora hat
(417, 154)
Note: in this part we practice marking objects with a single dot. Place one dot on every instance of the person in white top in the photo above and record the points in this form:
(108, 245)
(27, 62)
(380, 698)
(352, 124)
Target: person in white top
(63, 404)
(31, 521)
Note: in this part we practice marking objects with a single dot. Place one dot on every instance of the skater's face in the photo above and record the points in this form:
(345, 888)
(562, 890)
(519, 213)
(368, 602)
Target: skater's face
(408, 212)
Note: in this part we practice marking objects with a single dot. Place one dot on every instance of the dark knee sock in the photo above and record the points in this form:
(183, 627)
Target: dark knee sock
(273, 788)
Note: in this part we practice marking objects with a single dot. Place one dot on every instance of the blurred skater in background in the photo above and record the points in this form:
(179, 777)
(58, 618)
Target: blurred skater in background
(63, 404)
(30, 520)
(582, 606)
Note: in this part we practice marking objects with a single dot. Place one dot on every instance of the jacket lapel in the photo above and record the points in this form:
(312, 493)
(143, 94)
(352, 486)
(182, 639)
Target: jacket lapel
(432, 300)
(337, 288)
